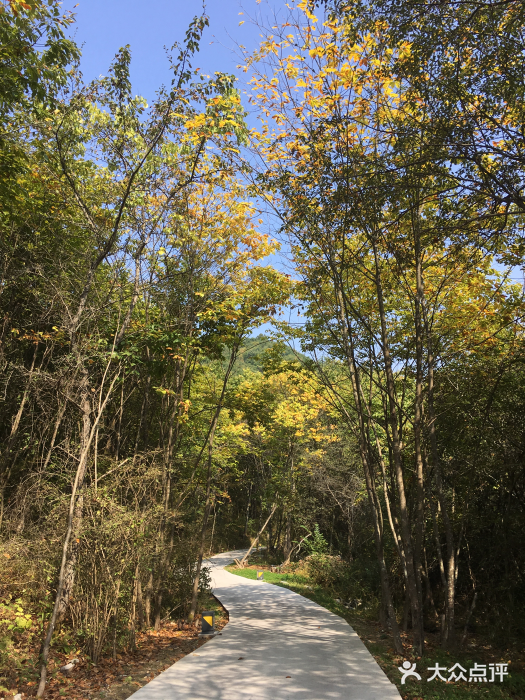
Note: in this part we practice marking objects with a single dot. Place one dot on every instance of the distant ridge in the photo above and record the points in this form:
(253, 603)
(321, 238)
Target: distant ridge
(251, 354)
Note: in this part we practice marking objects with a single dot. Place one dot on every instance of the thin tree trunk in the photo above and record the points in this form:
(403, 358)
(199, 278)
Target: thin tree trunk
(450, 575)
(248, 510)
(207, 509)
(87, 439)
(429, 598)
(119, 421)
(469, 615)
(5, 467)
(213, 526)
(406, 536)
(418, 425)
(288, 536)
(140, 604)
(438, 544)
(365, 453)
(133, 613)
(207, 506)
(139, 429)
(69, 572)
(16, 422)
(147, 607)
(256, 540)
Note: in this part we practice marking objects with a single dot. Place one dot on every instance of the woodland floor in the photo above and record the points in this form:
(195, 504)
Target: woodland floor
(379, 643)
(112, 679)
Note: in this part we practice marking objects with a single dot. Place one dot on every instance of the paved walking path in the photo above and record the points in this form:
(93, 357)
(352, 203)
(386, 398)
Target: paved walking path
(276, 646)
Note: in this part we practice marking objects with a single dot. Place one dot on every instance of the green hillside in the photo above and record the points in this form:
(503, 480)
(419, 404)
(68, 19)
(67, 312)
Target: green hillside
(253, 351)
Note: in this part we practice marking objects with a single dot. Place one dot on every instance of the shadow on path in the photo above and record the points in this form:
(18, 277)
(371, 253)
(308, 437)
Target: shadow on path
(276, 646)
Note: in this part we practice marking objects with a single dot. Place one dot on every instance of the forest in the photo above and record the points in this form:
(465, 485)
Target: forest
(147, 421)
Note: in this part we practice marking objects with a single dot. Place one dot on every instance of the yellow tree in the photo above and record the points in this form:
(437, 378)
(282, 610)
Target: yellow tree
(288, 420)
(372, 212)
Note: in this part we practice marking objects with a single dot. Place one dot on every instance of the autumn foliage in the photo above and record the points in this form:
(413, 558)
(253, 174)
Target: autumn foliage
(144, 422)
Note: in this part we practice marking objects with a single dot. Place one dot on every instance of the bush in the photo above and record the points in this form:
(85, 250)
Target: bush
(353, 582)
(325, 570)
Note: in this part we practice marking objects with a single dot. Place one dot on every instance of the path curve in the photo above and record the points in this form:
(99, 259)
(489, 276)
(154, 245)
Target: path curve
(277, 645)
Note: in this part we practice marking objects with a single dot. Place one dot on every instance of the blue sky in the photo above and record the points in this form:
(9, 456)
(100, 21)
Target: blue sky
(103, 26)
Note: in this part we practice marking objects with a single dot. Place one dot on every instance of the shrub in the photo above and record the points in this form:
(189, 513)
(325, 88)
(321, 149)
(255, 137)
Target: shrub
(325, 570)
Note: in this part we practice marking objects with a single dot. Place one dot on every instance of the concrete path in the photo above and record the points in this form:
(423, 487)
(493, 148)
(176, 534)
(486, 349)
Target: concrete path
(276, 646)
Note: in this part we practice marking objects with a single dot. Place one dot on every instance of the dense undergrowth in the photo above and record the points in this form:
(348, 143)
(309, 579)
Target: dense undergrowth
(118, 672)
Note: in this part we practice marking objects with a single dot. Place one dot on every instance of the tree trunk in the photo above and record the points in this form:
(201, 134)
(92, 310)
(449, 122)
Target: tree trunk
(406, 536)
(288, 537)
(418, 425)
(448, 637)
(207, 510)
(207, 506)
(248, 510)
(365, 454)
(256, 540)
(64, 585)
(147, 606)
(66, 573)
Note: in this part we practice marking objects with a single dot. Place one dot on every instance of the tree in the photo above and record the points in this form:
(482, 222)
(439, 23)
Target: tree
(35, 55)
(383, 233)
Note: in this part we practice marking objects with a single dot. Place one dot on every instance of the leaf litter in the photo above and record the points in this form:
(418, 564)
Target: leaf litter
(114, 678)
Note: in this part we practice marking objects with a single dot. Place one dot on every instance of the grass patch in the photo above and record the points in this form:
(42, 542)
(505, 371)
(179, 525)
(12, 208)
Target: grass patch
(379, 643)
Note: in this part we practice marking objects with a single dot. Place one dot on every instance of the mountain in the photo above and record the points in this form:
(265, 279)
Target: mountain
(253, 350)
